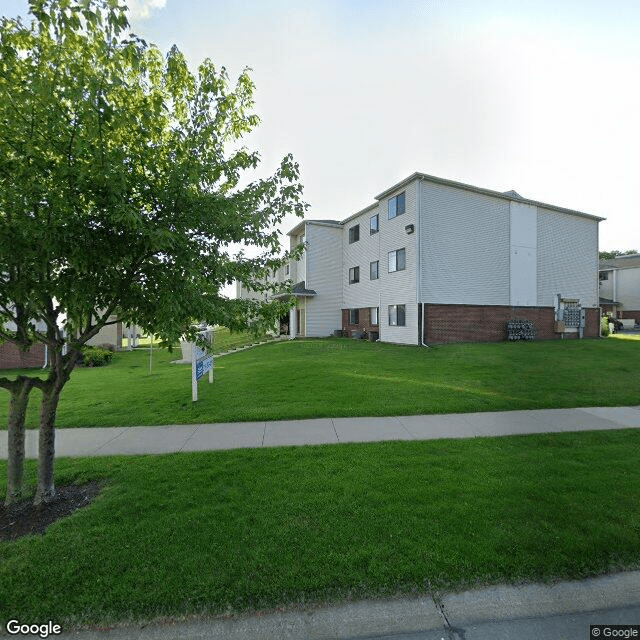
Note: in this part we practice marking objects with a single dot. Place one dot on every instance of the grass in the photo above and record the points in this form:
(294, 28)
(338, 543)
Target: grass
(233, 531)
(342, 377)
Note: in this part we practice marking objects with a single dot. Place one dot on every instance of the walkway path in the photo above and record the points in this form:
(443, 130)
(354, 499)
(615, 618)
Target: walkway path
(101, 441)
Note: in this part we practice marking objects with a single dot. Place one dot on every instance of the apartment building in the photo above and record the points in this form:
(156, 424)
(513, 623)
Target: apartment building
(620, 286)
(433, 261)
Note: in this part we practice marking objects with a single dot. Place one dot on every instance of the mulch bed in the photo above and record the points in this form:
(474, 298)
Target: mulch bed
(23, 518)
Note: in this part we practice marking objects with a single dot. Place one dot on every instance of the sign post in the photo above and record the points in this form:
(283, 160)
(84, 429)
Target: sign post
(201, 363)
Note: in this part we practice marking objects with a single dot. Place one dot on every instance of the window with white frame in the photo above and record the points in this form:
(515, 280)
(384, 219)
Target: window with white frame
(374, 226)
(354, 275)
(396, 206)
(286, 270)
(354, 234)
(397, 317)
(604, 275)
(397, 260)
(373, 313)
(374, 270)
(354, 316)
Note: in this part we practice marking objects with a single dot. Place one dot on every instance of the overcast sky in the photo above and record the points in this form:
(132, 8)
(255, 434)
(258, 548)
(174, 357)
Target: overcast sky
(542, 97)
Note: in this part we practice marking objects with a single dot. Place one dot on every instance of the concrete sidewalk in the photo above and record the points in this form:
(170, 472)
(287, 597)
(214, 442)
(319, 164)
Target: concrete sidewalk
(100, 441)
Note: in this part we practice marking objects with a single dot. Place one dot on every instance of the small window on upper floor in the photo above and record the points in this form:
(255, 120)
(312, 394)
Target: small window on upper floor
(354, 234)
(354, 275)
(397, 260)
(396, 205)
(374, 226)
(287, 270)
(604, 275)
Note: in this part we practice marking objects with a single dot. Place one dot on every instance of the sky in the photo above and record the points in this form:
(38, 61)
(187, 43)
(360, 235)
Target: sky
(538, 96)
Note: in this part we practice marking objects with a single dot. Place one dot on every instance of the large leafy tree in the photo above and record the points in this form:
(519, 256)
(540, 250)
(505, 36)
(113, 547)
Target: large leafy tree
(120, 193)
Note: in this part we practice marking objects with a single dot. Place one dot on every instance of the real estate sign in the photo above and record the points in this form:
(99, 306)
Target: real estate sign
(201, 363)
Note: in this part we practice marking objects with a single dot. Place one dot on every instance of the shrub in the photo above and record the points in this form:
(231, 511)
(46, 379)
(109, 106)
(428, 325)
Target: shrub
(604, 326)
(96, 356)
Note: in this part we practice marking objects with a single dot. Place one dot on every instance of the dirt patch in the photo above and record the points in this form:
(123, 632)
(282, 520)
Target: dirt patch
(23, 518)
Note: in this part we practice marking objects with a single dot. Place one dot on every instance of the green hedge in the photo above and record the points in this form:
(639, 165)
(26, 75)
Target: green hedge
(96, 356)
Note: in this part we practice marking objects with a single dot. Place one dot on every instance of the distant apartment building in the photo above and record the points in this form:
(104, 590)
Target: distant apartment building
(620, 286)
(435, 261)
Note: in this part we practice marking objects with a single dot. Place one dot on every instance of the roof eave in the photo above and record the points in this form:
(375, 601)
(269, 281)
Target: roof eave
(488, 192)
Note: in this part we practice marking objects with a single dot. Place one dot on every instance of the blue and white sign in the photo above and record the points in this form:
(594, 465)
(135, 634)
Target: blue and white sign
(201, 363)
(203, 366)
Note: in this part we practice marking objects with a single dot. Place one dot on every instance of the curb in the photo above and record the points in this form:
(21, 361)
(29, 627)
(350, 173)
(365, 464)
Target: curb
(448, 614)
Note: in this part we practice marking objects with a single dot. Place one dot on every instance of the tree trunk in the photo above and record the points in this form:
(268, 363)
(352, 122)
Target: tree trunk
(46, 491)
(15, 432)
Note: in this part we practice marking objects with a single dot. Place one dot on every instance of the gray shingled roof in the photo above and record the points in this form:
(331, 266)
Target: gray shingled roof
(300, 290)
(621, 262)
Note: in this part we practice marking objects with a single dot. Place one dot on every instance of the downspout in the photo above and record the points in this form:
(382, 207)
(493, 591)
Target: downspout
(46, 356)
(418, 260)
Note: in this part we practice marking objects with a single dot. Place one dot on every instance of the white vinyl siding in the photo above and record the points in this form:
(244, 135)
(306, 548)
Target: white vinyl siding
(524, 255)
(464, 245)
(567, 258)
(394, 288)
(324, 276)
(606, 285)
(361, 253)
(628, 288)
(399, 287)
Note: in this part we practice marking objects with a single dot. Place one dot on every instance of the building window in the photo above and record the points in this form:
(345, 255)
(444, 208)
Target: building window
(396, 206)
(397, 260)
(373, 270)
(397, 315)
(286, 269)
(604, 275)
(354, 275)
(373, 225)
(354, 234)
(373, 311)
(354, 316)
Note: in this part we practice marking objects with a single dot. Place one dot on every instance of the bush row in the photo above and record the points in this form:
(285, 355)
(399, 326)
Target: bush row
(96, 356)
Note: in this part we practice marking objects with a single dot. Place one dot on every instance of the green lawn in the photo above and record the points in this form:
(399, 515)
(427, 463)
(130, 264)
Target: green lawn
(232, 531)
(342, 377)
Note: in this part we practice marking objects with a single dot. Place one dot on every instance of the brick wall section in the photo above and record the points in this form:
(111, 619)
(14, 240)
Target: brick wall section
(363, 325)
(629, 314)
(12, 357)
(592, 328)
(470, 323)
